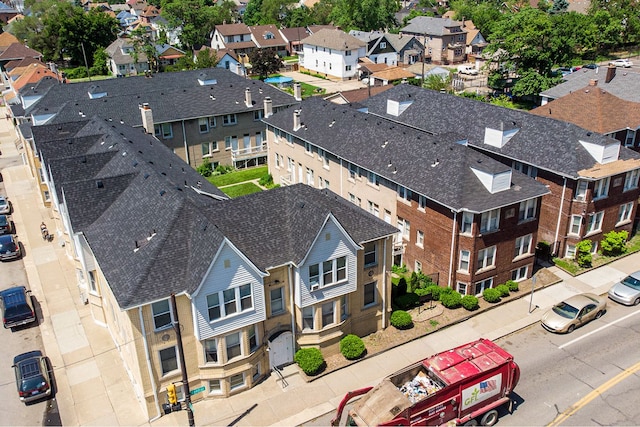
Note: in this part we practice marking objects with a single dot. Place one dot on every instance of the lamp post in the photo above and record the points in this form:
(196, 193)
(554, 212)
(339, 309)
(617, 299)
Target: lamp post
(183, 365)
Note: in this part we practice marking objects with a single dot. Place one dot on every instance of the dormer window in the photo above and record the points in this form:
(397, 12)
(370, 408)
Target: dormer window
(383, 45)
(269, 35)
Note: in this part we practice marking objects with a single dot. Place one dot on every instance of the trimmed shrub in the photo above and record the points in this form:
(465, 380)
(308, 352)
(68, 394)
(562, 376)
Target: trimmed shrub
(352, 347)
(491, 295)
(205, 169)
(401, 319)
(423, 292)
(402, 286)
(310, 360)
(266, 181)
(583, 253)
(414, 282)
(503, 289)
(613, 243)
(451, 299)
(407, 301)
(435, 291)
(470, 302)
(513, 285)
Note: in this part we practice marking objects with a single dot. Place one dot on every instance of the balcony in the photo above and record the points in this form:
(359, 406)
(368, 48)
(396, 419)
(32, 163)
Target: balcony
(249, 153)
(286, 180)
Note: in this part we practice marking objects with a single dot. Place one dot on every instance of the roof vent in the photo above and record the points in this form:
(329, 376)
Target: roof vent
(99, 184)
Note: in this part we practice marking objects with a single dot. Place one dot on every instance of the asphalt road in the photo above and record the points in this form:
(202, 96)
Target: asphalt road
(586, 378)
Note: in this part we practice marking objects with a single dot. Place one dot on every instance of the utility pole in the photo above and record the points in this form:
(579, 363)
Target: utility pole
(185, 379)
(424, 54)
(86, 64)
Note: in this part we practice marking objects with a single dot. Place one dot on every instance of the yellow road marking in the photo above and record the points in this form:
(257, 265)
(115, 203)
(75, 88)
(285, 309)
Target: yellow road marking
(595, 393)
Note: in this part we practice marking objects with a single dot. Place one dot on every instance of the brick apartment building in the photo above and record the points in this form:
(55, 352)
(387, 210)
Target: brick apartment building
(465, 219)
(592, 178)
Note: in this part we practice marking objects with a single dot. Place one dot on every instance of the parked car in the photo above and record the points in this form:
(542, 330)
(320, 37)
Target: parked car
(16, 307)
(590, 66)
(5, 224)
(32, 376)
(9, 248)
(5, 206)
(574, 312)
(627, 291)
(621, 63)
(467, 69)
(564, 71)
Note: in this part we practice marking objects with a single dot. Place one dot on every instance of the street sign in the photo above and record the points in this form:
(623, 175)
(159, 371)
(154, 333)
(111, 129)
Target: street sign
(196, 390)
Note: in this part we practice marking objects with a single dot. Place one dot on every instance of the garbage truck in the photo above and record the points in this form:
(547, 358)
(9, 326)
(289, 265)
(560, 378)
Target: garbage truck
(462, 386)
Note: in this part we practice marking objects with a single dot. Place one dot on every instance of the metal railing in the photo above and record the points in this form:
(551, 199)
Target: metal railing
(281, 376)
(249, 153)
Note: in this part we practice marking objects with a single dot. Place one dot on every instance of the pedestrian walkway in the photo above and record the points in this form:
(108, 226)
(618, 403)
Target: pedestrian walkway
(93, 387)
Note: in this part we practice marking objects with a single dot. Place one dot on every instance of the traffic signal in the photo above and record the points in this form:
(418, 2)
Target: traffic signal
(171, 394)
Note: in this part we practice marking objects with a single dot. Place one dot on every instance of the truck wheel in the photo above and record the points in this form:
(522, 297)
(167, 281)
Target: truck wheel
(490, 418)
(471, 422)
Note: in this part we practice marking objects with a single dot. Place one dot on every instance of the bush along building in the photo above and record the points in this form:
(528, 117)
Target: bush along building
(465, 219)
(592, 178)
(254, 278)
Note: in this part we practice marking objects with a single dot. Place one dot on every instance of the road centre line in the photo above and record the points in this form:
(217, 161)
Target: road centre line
(599, 329)
(593, 394)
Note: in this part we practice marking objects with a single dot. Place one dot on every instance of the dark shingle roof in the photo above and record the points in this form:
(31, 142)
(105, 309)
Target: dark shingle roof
(546, 143)
(625, 84)
(434, 166)
(172, 96)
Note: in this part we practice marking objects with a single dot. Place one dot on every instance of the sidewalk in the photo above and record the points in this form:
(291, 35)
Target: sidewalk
(93, 387)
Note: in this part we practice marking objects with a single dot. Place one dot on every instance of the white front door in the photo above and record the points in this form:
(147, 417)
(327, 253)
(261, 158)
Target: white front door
(281, 350)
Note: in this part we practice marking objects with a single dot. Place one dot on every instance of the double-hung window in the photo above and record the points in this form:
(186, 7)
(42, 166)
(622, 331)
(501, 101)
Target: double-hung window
(464, 261)
(168, 360)
(229, 119)
(405, 228)
(631, 180)
(490, 221)
(353, 171)
(625, 212)
(329, 272)
(519, 274)
(328, 314)
(233, 346)
(277, 300)
(211, 350)
(486, 257)
(203, 124)
(404, 193)
(374, 209)
(308, 318)
(467, 223)
(523, 245)
(528, 209)
(420, 239)
(164, 129)
(576, 225)
(310, 177)
(581, 190)
(601, 188)
(373, 179)
(161, 314)
(257, 115)
(229, 301)
(370, 254)
(595, 222)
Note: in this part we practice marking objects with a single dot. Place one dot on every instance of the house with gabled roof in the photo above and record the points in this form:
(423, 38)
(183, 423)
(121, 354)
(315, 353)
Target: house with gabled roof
(30, 75)
(303, 269)
(332, 53)
(595, 109)
(167, 54)
(592, 178)
(235, 37)
(18, 51)
(465, 219)
(125, 59)
(206, 115)
(293, 37)
(228, 60)
(391, 49)
(269, 37)
(444, 40)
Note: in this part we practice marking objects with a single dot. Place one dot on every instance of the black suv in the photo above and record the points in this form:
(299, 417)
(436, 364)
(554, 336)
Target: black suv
(32, 376)
(16, 307)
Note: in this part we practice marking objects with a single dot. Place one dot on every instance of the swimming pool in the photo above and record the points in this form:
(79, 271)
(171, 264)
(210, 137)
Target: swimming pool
(278, 80)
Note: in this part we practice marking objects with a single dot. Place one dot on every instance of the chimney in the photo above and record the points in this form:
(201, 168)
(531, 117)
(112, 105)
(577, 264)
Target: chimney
(147, 118)
(296, 120)
(247, 97)
(593, 82)
(611, 73)
(297, 92)
(268, 107)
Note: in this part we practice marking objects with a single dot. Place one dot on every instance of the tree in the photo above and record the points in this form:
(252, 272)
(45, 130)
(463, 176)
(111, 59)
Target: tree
(365, 15)
(438, 82)
(206, 58)
(264, 62)
(559, 6)
(100, 60)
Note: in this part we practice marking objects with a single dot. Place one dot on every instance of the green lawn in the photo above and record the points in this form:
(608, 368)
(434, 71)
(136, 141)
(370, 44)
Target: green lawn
(241, 189)
(238, 176)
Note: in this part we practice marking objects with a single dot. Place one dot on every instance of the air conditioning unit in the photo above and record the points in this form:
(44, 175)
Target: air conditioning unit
(315, 287)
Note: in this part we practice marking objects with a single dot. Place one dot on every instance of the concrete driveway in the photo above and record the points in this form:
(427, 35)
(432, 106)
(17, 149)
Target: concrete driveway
(329, 85)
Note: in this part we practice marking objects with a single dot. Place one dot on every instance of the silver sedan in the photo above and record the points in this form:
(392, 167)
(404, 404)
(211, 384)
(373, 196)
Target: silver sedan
(574, 312)
(627, 291)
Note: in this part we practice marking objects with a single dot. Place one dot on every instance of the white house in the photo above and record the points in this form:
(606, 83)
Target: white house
(332, 53)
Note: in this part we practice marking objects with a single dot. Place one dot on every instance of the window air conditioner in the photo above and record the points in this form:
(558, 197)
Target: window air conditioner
(315, 287)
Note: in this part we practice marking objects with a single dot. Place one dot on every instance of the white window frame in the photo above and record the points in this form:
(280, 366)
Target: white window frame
(258, 115)
(330, 272)
(420, 239)
(324, 306)
(631, 180)
(237, 386)
(422, 203)
(462, 287)
(576, 221)
(624, 214)
(581, 190)
(484, 284)
(520, 274)
(466, 225)
(272, 300)
(601, 188)
(163, 129)
(353, 171)
(206, 345)
(373, 179)
(490, 221)
(161, 314)
(594, 222)
(310, 177)
(239, 344)
(570, 251)
(203, 124)
(486, 258)
(405, 228)
(630, 138)
(374, 209)
(523, 245)
(213, 389)
(464, 261)
(239, 299)
(528, 210)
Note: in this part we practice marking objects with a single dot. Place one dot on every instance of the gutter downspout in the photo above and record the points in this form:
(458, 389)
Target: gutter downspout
(555, 240)
(293, 311)
(153, 381)
(386, 283)
(453, 240)
(186, 146)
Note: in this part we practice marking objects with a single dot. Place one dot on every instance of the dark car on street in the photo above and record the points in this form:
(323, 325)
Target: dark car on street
(5, 224)
(15, 304)
(32, 376)
(9, 248)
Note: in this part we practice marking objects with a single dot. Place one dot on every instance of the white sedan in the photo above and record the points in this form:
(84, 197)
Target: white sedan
(621, 63)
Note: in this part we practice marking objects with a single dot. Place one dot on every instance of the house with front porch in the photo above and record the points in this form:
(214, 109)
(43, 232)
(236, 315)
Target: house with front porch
(235, 37)
(301, 268)
(332, 53)
(465, 219)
